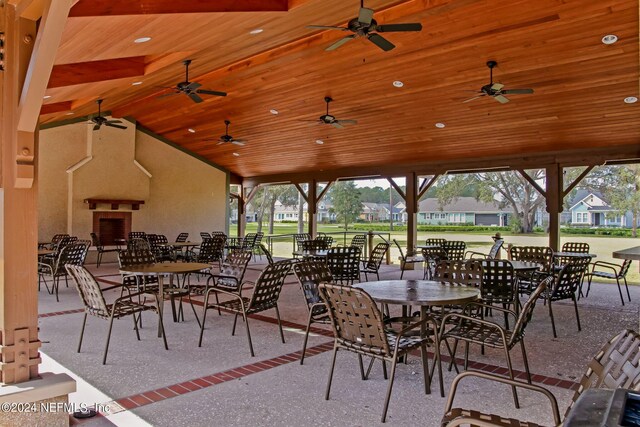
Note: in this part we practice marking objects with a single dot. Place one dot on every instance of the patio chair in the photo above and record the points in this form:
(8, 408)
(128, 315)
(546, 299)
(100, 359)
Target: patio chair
(94, 304)
(136, 235)
(470, 329)
(327, 241)
(435, 241)
(138, 244)
(499, 286)
(300, 237)
(575, 247)
(455, 249)
(55, 240)
(182, 237)
(372, 265)
(71, 254)
(463, 273)
(432, 257)
(407, 259)
(100, 248)
(161, 248)
(344, 264)
(231, 275)
(614, 366)
(612, 272)
(541, 255)
(312, 245)
(360, 241)
(310, 275)
(358, 327)
(219, 234)
(566, 285)
(493, 252)
(204, 235)
(266, 292)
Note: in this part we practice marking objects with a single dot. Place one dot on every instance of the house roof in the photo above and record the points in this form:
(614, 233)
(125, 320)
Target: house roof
(583, 194)
(461, 204)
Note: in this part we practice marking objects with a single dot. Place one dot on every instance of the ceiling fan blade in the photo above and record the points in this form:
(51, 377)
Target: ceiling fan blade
(211, 92)
(497, 86)
(347, 122)
(517, 91)
(365, 16)
(501, 99)
(192, 86)
(381, 42)
(392, 28)
(471, 99)
(239, 142)
(219, 142)
(340, 43)
(115, 126)
(195, 98)
(96, 127)
(168, 94)
(337, 124)
(326, 27)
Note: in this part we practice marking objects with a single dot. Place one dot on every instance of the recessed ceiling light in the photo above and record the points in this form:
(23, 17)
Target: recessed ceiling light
(46, 97)
(142, 40)
(236, 154)
(136, 83)
(440, 125)
(191, 130)
(398, 83)
(319, 141)
(256, 31)
(631, 100)
(274, 111)
(610, 39)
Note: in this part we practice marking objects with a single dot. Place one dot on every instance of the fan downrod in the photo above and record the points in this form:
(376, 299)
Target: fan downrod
(492, 64)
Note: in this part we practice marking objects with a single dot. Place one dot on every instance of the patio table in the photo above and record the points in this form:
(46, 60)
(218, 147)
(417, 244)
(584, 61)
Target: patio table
(573, 255)
(428, 246)
(423, 293)
(161, 270)
(524, 265)
(630, 253)
(311, 254)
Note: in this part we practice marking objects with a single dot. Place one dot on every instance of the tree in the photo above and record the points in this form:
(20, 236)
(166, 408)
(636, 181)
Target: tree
(286, 194)
(260, 201)
(511, 188)
(346, 202)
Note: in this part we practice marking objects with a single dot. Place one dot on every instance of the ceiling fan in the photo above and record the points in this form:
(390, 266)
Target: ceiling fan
(99, 120)
(227, 138)
(495, 90)
(191, 89)
(365, 26)
(328, 119)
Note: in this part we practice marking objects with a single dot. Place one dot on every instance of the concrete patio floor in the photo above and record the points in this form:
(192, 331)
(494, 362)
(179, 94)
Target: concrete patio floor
(221, 384)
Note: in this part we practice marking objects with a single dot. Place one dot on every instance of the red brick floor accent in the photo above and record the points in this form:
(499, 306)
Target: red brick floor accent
(61, 313)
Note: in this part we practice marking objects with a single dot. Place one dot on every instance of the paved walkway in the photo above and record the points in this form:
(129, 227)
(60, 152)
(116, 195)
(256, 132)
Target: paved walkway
(221, 384)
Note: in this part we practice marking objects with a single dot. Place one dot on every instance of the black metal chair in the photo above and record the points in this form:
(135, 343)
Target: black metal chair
(574, 247)
(358, 326)
(612, 272)
(493, 252)
(372, 265)
(100, 248)
(71, 254)
(266, 292)
(499, 285)
(455, 249)
(541, 255)
(344, 264)
(204, 235)
(182, 237)
(161, 248)
(407, 259)
(432, 257)
(94, 304)
(136, 235)
(360, 241)
(310, 275)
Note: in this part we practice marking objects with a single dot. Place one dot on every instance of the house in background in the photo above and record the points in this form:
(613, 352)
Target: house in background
(463, 210)
(290, 213)
(590, 209)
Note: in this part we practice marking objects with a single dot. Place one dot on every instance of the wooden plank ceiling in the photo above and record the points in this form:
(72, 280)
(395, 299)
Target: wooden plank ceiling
(552, 46)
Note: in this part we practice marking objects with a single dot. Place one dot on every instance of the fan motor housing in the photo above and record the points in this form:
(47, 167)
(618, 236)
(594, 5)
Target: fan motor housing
(361, 28)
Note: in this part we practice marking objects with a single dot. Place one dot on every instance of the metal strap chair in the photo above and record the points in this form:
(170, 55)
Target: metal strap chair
(455, 249)
(612, 272)
(100, 248)
(344, 264)
(493, 252)
(407, 259)
(71, 254)
(372, 265)
(182, 237)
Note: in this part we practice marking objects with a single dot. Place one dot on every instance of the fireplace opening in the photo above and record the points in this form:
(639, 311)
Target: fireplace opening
(111, 226)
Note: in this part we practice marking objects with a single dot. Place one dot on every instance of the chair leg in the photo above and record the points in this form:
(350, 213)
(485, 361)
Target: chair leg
(193, 308)
(466, 355)
(99, 259)
(333, 365)
(361, 364)
(235, 320)
(394, 363)
(279, 323)
(575, 305)
(246, 325)
(589, 285)
(526, 361)
(620, 290)
(161, 323)
(204, 316)
(453, 363)
(366, 375)
(106, 347)
(553, 323)
(56, 282)
(425, 369)
(135, 325)
(401, 269)
(84, 322)
(513, 389)
(626, 285)
(306, 338)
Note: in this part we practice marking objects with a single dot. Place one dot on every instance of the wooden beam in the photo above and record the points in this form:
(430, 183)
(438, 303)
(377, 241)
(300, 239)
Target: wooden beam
(571, 186)
(312, 208)
(531, 181)
(324, 191)
(553, 196)
(96, 71)
(426, 185)
(56, 107)
(411, 203)
(397, 188)
(152, 7)
(302, 193)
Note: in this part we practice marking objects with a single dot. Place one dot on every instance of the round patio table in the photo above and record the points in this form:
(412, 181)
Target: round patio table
(524, 265)
(161, 270)
(573, 255)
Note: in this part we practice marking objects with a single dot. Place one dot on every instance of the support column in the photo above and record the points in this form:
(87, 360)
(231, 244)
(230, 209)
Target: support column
(312, 207)
(554, 192)
(411, 202)
(242, 218)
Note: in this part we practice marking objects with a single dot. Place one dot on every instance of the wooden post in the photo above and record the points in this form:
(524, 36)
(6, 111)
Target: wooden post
(411, 202)
(553, 193)
(312, 207)
(242, 218)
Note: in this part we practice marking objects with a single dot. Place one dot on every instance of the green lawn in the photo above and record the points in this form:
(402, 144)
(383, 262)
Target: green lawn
(602, 246)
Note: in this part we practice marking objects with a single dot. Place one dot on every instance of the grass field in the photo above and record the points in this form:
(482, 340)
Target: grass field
(602, 246)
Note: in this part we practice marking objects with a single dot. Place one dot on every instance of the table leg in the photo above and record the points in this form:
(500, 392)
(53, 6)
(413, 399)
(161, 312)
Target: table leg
(161, 302)
(423, 334)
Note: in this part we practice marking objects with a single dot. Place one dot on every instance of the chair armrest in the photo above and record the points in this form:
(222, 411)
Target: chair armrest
(224, 276)
(471, 319)
(222, 291)
(46, 266)
(536, 388)
(493, 307)
(484, 256)
(605, 264)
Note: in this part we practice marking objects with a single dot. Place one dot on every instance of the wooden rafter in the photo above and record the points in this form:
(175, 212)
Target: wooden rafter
(153, 7)
(96, 71)
(56, 107)
(302, 192)
(324, 191)
(397, 188)
(531, 181)
(580, 177)
(426, 185)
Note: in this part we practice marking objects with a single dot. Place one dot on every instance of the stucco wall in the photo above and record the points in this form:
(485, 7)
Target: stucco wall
(182, 194)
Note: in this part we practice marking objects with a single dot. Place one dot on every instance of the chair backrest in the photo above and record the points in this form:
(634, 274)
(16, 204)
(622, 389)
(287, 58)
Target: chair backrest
(454, 249)
(235, 264)
(138, 244)
(498, 282)
(219, 233)
(64, 241)
(204, 235)
(56, 238)
(72, 254)
(616, 365)
(95, 240)
(258, 239)
(578, 247)
(495, 249)
(89, 290)
(377, 255)
(570, 277)
(542, 255)
(359, 240)
(211, 250)
(400, 249)
(182, 237)
(624, 268)
(135, 257)
(267, 253)
(310, 275)
(249, 240)
(311, 245)
(136, 235)
(268, 286)
(435, 241)
(434, 255)
(355, 318)
(526, 311)
(344, 263)
(327, 241)
(467, 273)
(301, 237)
